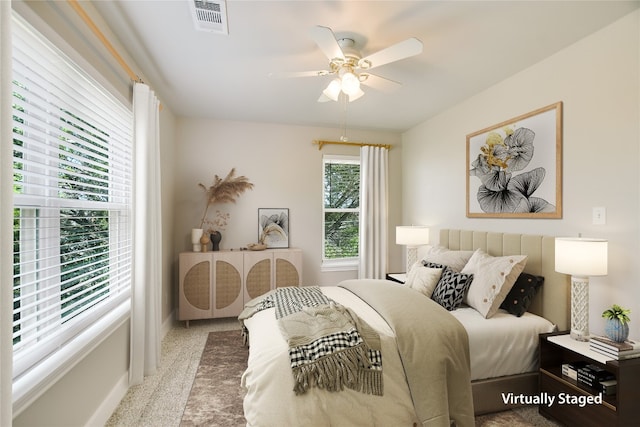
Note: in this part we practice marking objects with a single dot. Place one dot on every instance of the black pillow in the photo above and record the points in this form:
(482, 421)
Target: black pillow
(521, 295)
(451, 288)
(432, 265)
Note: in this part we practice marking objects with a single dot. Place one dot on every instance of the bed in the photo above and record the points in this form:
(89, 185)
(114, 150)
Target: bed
(551, 301)
(464, 378)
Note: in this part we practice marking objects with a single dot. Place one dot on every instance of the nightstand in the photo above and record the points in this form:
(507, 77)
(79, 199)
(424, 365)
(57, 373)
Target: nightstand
(397, 277)
(576, 404)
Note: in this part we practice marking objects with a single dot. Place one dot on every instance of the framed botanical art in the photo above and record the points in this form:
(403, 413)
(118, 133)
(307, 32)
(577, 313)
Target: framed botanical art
(514, 168)
(273, 227)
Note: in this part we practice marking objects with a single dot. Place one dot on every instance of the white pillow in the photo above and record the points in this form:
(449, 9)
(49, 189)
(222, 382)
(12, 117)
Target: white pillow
(455, 260)
(424, 279)
(493, 278)
(417, 264)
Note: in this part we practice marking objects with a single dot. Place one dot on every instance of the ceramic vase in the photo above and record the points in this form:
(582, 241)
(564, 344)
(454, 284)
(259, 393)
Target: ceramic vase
(216, 236)
(204, 242)
(196, 234)
(615, 330)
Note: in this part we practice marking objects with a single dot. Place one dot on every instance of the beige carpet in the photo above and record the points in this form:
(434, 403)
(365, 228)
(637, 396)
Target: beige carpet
(216, 396)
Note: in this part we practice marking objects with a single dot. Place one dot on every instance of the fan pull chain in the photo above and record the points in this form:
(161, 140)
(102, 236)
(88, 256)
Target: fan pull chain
(344, 99)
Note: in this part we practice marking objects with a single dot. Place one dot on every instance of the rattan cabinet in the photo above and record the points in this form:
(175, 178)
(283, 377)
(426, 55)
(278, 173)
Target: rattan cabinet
(270, 269)
(217, 284)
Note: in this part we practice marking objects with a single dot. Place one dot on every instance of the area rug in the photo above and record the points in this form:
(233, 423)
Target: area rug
(526, 416)
(216, 396)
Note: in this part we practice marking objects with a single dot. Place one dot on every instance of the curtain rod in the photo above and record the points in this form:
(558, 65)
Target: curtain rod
(320, 143)
(87, 20)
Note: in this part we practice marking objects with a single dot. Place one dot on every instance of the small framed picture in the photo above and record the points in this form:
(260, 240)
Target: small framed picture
(273, 227)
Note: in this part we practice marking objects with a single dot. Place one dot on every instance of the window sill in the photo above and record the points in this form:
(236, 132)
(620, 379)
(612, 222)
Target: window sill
(28, 387)
(340, 265)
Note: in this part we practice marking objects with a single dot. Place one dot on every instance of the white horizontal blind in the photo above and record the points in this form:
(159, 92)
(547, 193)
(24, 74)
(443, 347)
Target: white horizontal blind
(72, 199)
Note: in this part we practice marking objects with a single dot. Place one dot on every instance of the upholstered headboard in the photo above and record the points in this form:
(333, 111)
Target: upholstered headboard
(552, 302)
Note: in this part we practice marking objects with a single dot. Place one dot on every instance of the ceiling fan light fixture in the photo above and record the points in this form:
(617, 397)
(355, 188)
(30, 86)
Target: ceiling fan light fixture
(348, 66)
(356, 95)
(350, 84)
(333, 90)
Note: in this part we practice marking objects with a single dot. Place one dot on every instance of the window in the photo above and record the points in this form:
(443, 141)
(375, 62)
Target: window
(72, 200)
(341, 212)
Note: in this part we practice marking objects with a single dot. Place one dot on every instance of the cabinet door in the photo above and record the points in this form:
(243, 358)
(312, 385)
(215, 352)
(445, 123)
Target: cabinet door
(288, 267)
(227, 284)
(194, 294)
(258, 273)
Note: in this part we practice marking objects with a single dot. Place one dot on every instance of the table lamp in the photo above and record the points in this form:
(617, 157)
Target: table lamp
(581, 258)
(412, 236)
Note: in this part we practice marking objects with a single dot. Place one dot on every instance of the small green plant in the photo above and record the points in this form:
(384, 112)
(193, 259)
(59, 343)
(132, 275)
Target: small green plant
(617, 312)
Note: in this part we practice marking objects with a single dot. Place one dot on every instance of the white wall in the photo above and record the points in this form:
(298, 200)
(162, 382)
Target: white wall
(597, 79)
(286, 170)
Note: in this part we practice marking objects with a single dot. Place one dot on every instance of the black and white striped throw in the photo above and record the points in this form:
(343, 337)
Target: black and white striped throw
(329, 346)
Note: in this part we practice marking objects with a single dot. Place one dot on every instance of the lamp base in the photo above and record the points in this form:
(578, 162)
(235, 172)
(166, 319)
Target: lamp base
(580, 308)
(412, 257)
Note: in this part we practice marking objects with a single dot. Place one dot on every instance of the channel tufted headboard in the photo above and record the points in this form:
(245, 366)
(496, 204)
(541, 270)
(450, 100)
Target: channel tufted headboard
(553, 301)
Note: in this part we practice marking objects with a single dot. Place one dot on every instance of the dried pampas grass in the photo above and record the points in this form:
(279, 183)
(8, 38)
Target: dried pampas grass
(225, 190)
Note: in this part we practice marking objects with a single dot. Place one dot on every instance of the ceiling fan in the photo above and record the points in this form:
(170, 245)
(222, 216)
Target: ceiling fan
(348, 66)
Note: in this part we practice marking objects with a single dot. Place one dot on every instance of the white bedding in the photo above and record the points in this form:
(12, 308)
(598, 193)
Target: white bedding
(498, 346)
(503, 344)
(264, 407)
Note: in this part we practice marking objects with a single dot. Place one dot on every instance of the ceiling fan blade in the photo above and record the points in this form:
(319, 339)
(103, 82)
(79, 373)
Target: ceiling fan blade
(379, 83)
(396, 52)
(290, 74)
(326, 41)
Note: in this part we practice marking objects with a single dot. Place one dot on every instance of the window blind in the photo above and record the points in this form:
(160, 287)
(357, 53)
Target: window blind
(72, 199)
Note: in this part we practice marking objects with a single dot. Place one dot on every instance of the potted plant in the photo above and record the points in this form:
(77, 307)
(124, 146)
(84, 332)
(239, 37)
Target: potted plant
(617, 325)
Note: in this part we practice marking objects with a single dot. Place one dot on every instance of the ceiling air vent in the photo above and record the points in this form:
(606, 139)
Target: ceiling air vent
(210, 15)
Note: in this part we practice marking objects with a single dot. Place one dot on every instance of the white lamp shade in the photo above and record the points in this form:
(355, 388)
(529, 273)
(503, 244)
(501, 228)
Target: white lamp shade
(356, 95)
(350, 84)
(333, 90)
(581, 256)
(411, 235)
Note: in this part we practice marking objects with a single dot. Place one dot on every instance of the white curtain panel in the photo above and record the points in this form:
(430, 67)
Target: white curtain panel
(6, 216)
(147, 283)
(373, 212)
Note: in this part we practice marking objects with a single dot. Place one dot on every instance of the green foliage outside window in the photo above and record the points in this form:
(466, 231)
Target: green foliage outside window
(341, 207)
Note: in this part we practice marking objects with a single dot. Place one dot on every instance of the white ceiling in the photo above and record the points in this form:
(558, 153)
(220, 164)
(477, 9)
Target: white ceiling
(468, 46)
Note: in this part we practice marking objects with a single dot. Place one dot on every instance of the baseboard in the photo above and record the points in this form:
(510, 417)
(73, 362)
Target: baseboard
(117, 393)
(109, 405)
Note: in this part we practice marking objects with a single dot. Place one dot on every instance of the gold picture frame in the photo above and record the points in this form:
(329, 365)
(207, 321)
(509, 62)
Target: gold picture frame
(514, 168)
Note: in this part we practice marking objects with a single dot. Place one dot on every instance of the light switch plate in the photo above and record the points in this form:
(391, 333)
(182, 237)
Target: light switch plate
(599, 216)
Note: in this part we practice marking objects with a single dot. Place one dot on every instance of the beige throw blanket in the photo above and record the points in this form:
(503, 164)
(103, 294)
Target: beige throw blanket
(433, 347)
(329, 346)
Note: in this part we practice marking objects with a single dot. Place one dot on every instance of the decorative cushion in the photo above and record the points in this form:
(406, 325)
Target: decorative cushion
(493, 278)
(424, 279)
(522, 293)
(432, 264)
(415, 265)
(451, 287)
(456, 260)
